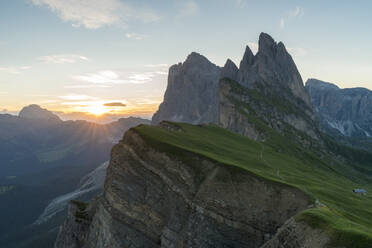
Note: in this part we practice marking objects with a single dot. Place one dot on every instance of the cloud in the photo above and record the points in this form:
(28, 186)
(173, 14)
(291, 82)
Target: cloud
(114, 104)
(93, 14)
(101, 77)
(298, 12)
(62, 59)
(75, 97)
(14, 69)
(110, 78)
(136, 36)
(253, 46)
(188, 8)
(157, 65)
(241, 3)
(85, 86)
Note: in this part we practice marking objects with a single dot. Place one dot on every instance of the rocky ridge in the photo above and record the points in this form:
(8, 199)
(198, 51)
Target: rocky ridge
(152, 199)
(346, 111)
(35, 112)
(191, 94)
(268, 82)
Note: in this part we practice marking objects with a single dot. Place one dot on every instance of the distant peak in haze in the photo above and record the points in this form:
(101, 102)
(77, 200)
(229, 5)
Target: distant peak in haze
(35, 112)
(315, 83)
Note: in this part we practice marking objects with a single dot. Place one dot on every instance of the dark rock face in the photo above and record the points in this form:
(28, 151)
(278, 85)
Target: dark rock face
(230, 70)
(74, 230)
(191, 95)
(154, 200)
(197, 92)
(35, 112)
(273, 68)
(349, 111)
(269, 87)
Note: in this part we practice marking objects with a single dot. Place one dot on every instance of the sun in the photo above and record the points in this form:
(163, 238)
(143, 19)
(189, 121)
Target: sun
(97, 109)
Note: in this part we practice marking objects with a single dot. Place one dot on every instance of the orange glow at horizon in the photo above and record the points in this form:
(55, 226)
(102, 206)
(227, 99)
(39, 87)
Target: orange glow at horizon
(97, 109)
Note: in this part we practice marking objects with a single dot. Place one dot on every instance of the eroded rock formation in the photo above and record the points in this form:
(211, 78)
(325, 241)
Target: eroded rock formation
(154, 199)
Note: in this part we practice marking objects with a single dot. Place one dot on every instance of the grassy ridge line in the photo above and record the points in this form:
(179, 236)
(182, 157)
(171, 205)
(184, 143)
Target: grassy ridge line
(346, 216)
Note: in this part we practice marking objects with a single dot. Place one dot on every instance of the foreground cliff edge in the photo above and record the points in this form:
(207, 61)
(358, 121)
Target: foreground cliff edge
(178, 185)
(263, 175)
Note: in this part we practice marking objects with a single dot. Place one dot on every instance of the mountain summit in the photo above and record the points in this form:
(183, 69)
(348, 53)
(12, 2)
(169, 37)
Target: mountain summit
(35, 112)
(200, 92)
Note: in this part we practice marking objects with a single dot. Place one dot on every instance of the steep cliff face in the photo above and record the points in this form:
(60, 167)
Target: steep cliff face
(298, 234)
(191, 94)
(267, 87)
(347, 111)
(272, 69)
(268, 82)
(249, 112)
(154, 199)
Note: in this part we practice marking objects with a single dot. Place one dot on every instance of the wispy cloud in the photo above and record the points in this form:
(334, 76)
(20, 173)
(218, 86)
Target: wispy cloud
(298, 12)
(110, 77)
(114, 104)
(101, 77)
(241, 3)
(62, 59)
(75, 97)
(93, 14)
(188, 8)
(85, 86)
(157, 65)
(136, 36)
(14, 69)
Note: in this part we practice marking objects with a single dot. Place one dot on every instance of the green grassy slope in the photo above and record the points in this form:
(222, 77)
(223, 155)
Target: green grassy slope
(346, 216)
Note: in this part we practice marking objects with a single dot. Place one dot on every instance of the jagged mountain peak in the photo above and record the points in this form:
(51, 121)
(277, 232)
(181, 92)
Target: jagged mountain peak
(191, 94)
(36, 112)
(266, 44)
(194, 87)
(196, 59)
(230, 70)
(247, 60)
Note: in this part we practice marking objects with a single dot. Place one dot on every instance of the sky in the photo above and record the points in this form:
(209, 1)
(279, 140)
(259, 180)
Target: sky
(92, 57)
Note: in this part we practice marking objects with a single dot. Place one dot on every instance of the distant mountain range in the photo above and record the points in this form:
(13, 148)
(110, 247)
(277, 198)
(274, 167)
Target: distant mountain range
(346, 111)
(43, 158)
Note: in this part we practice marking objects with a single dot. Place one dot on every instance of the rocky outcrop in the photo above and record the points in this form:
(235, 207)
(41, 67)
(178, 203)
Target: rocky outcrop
(73, 233)
(230, 70)
(154, 199)
(272, 68)
(268, 88)
(346, 111)
(298, 234)
(35, 112)
(272, 86)
(191, 94)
